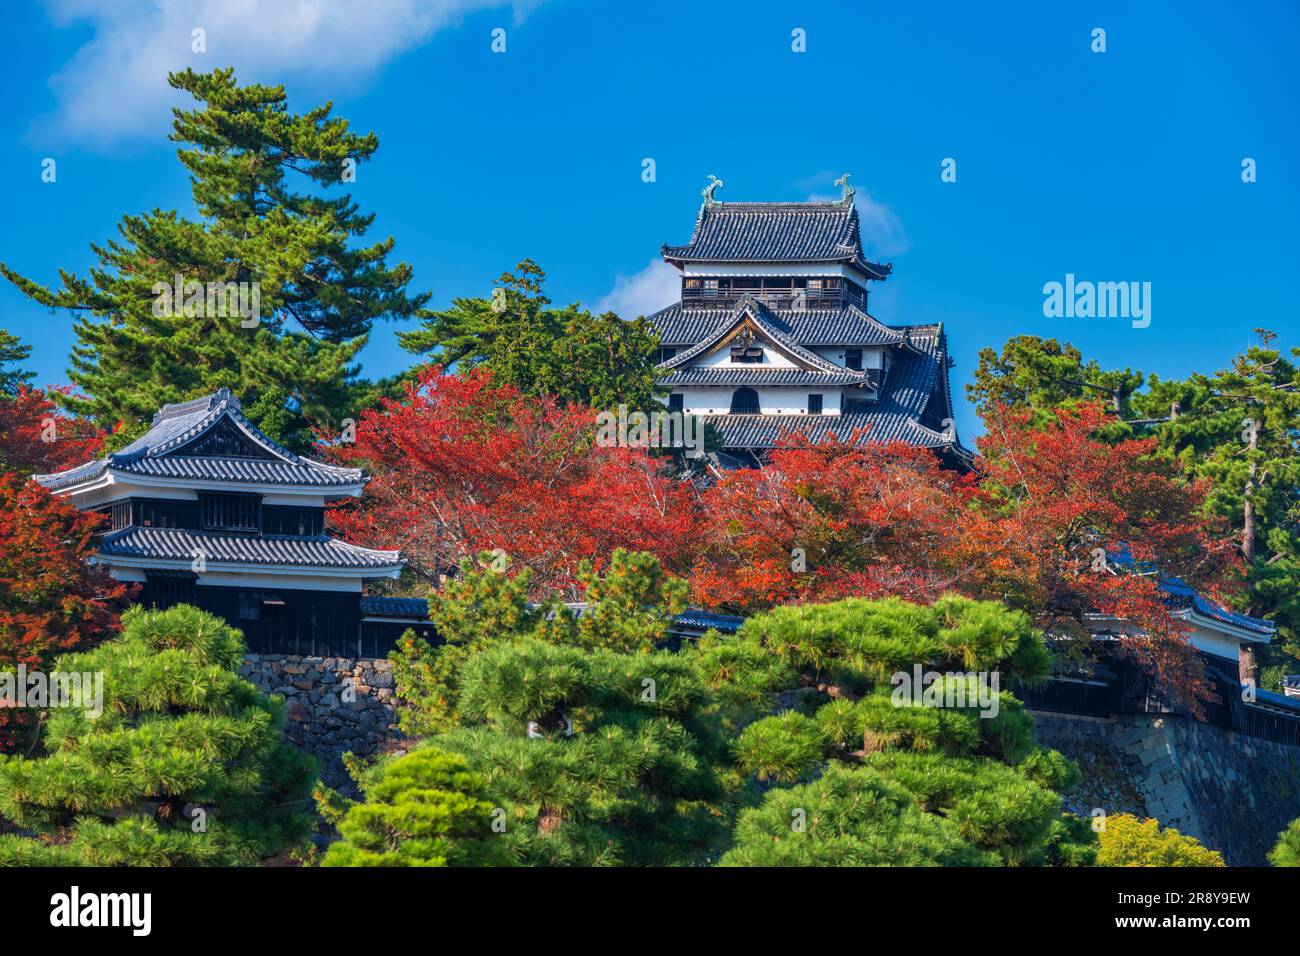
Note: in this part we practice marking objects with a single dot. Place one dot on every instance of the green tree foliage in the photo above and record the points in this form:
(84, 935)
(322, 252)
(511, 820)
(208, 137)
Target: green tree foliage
(848, 817)
(319, 291)
(425, 808)
(1044, 374)
(598, 757)
(1128, 841)
(13, 354)
(1287, 851)
(1234, 428)
(600, 748)
(944, 776)
(599, 361)
(184, 766)
(629, 606)
(856, 643)
(1238, 429)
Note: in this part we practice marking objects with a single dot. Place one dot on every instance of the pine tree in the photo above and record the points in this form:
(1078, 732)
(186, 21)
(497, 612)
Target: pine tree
(425, 808)
(181, 762)
(13, 353)
(319, 293)
(568, 353)
(879, 780)
(597, 757)
(1287, 851)
(1044, 375)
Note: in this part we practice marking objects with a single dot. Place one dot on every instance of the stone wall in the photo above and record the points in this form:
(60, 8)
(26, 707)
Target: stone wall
(1232, 792)
(332, 704)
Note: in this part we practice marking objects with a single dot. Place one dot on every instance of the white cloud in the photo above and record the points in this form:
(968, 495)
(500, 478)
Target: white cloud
(115, 87)
(654, 287)
(882, 230)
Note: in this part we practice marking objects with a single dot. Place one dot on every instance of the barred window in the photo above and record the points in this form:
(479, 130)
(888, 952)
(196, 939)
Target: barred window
(165, 590)
(121, 515)
(222, 512)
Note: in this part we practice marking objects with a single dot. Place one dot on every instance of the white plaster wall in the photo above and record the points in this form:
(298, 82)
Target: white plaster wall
(771, 401)
(721, 358)
(871, 357)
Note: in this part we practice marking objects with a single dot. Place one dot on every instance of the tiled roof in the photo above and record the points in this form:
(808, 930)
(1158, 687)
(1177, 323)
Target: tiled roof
(703, 620)
(777, 232)
(915, 367)
(680, 326)
(173, 544)
(395, 607)
(178, 425)
(236, 469)
(1182, 595)
(766, 431)
(770, 325)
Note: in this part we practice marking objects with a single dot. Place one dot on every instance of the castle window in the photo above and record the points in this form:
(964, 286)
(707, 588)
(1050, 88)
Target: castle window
(164, 590)
(675, 402)
(814, 404)
(250, 606)
(853, 359)
(223, 512)
(744, 401)
(666, 353)
(121, 515)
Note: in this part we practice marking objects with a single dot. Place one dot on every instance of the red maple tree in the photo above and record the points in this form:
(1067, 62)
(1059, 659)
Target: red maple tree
(1071, 525)
(34, 438)
(51, 598)
(463, 465)
(1053, 521)
(818, 522)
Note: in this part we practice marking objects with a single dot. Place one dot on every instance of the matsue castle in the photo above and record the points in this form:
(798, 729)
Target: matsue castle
(772, 334)
(205, 509)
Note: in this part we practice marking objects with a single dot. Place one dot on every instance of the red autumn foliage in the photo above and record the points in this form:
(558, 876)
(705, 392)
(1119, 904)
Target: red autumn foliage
(1053, 496)
(825, 521)
(34, 439)
(463, 465)
(886, 519)
(51, 599)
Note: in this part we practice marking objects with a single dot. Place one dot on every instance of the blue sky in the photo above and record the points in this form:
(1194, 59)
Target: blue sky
(1115, 166)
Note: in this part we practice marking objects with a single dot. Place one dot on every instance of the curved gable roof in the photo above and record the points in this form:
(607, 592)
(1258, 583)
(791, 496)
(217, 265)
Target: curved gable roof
(159, 452)
(803, 232)
(752, 311)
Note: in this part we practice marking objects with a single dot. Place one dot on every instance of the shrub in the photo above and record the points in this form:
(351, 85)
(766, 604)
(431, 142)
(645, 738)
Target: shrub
(1128, 841)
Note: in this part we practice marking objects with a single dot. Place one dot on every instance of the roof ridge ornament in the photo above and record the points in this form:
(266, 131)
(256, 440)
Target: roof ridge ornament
(847, 197)
(707, 192)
